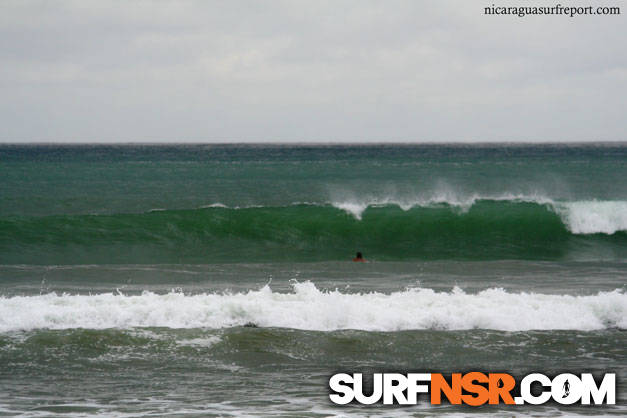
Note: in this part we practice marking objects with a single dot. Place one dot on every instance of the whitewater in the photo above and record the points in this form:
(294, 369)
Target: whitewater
(579, 217)
(309, 308)
(144, 280)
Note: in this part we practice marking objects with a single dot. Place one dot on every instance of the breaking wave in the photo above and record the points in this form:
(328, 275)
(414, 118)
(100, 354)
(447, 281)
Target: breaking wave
(508, 227)
(579, 217)
(309, 308)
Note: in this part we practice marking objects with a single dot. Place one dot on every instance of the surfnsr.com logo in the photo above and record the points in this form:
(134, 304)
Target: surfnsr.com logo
(474, 388)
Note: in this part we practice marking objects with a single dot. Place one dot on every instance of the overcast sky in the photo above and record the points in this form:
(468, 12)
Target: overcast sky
(239, 71)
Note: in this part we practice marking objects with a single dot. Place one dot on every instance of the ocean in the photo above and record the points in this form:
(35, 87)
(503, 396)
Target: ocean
(216, 280)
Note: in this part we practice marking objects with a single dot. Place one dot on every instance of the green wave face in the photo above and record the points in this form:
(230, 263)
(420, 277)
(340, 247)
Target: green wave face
(488, 230)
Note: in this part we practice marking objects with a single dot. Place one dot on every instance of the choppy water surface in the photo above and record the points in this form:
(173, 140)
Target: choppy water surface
(217, 279)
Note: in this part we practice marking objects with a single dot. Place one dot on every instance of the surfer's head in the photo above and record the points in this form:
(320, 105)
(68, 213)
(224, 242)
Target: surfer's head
(359, 257)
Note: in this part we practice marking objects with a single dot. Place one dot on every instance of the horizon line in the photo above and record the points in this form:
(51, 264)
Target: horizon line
(353, 143)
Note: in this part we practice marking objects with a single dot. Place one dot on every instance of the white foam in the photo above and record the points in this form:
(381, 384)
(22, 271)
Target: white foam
(309, 308)
(580, 217)
(200, 342)
(356, 207)
(592, 217)
(215, 205)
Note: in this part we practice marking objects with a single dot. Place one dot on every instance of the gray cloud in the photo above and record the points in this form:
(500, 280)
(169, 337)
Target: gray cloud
(307, 71)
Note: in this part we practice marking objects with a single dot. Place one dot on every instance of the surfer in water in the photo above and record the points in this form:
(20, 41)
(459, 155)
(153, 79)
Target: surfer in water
(359, 258)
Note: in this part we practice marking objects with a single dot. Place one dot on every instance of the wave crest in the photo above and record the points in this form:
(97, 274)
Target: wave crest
(522, 228)
(309, 308)
(357, 207)
(593, 217)
(579, 217)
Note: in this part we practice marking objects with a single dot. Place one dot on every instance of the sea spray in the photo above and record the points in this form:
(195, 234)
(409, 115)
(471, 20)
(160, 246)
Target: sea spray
(309, 308)
(483, 229)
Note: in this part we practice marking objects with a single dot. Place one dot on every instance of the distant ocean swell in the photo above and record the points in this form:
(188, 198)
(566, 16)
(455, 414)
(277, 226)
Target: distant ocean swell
(483, 229)
(309, 308)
